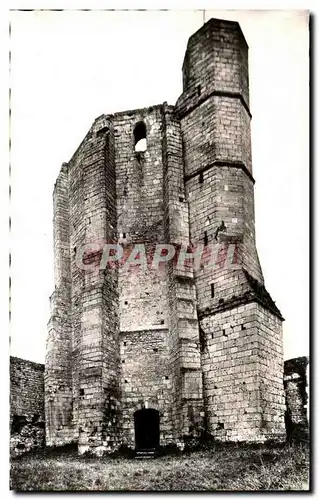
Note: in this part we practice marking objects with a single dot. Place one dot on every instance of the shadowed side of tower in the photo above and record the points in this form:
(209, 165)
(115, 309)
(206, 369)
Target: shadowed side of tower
(240, 325)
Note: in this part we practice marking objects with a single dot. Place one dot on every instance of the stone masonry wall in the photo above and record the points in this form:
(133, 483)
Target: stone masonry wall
(296, 385)
(230, 370)
(271, 364)
(26, 406)
(139, 187)
(96, 338)
(146, 380)
(215, 124)
(143, 303)
(242, 368)
(82, 361)
(223, 125)
(216, 46)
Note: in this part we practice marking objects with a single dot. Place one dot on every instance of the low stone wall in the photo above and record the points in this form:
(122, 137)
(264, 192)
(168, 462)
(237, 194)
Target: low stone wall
(27, 429)
(296, 384)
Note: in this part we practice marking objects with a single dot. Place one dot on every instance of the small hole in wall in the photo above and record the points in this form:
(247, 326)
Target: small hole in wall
(124, 235)
(155, 349)
(212, 290)
(35, 418)
(244, 383)
(243, 327)
(125, 382)
(74, 249)
(124, 343)
(205, 238)
(81, 392)
(166, 377)
(220, 425)
(212, 335)
(181, 198)
(123, 360)
(224, 333)
(125, 303)
(162, 322)
(199, 90)
(102, 131)
(201, 178)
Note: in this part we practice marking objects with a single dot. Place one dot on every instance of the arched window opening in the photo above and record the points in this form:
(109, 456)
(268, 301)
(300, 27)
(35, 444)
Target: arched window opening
(140, 137)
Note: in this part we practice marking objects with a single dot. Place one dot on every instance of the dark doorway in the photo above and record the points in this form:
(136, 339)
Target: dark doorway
(146, 424)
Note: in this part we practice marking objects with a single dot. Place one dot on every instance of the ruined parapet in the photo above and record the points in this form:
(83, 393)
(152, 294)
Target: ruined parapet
(26, 406)
(296, 391)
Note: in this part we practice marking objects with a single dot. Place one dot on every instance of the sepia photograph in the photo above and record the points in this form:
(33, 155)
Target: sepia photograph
(159, 250)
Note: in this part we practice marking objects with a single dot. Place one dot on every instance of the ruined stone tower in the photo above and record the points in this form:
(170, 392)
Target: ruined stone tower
(150, 357)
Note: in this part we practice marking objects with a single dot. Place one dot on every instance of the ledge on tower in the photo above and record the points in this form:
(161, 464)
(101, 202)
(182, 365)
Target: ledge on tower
(262, 296)
(256, 292)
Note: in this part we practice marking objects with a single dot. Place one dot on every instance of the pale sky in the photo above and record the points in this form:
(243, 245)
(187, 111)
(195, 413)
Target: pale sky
(70, 67)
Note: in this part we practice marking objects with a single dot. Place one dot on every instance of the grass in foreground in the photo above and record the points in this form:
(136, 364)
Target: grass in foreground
(235, 468)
